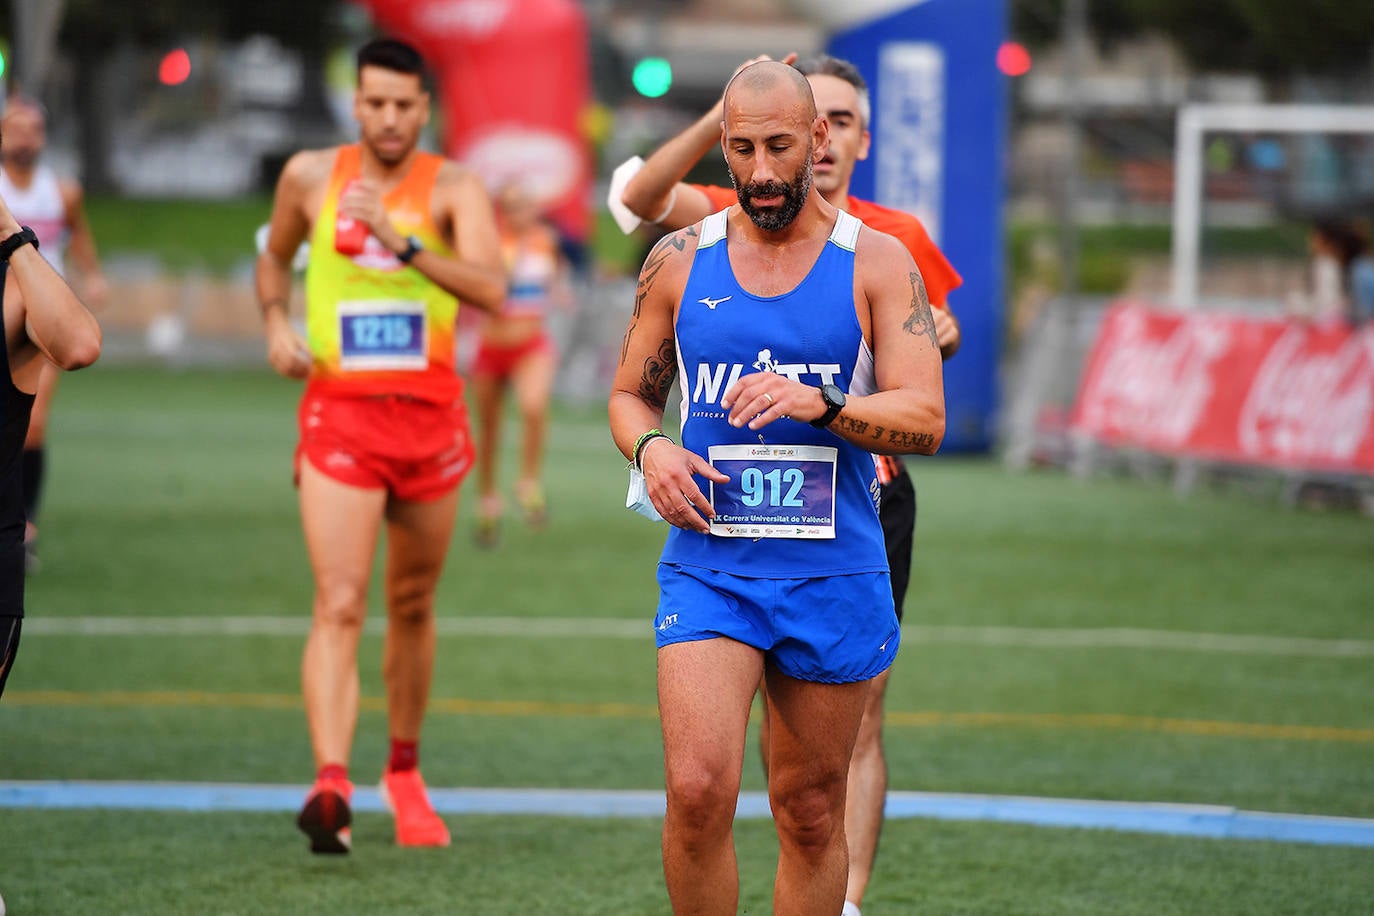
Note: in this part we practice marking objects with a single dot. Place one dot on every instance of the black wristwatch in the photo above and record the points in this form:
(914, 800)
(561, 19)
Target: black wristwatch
(834, 403)
(25, 236)
(413, 247)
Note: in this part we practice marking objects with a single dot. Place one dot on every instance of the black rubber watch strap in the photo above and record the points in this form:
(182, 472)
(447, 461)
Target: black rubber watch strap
(25, 236)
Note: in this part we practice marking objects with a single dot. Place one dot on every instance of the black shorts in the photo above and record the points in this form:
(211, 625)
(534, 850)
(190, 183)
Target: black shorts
(9, 646)
(897, 512)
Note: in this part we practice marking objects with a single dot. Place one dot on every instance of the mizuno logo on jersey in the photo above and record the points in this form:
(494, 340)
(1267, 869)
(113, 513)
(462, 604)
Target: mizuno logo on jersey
(712, 303)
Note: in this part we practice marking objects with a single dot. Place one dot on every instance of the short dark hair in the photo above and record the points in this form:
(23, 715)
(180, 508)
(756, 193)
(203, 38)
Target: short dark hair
(391, 54)
(1344, 236)
(825, 65)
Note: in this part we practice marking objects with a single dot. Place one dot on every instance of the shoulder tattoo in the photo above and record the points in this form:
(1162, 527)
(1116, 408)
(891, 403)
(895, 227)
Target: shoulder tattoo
(920, 321)
(665, 248)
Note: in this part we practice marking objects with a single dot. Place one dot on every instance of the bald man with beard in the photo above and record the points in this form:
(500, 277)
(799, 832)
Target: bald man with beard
(775, 566)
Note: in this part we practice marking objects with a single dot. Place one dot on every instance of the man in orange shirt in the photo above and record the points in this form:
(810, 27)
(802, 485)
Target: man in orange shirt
(397, 237)
(656, 193)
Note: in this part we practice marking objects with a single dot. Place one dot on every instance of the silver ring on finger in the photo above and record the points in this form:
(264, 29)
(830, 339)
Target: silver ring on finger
(769, 397)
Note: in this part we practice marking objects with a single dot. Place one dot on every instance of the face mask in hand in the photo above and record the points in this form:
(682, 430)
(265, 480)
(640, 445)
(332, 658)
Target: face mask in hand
(637, 497)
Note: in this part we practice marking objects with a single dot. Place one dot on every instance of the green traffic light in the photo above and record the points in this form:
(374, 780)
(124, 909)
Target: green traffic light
(652, 76)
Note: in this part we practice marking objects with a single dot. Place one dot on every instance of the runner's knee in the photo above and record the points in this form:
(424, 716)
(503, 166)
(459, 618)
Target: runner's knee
(808, 813)
(341, 605)
(702, 800)
(410, 601)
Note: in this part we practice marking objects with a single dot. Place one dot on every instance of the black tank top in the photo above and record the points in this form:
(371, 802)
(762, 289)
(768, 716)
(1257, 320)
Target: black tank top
(15, 406)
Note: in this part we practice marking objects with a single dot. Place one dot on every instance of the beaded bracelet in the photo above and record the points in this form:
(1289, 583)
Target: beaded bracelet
(644, 440)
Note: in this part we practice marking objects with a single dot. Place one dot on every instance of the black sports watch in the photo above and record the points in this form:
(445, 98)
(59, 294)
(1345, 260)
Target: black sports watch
(834, 403)
(25, 236)
(413, 247)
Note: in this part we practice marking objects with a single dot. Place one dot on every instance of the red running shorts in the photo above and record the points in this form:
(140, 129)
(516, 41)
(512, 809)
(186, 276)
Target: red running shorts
(416, 450)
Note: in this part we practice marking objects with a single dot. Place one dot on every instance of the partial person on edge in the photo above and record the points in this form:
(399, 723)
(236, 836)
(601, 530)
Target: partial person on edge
(44, 324)
(657, 192)
(778, 575)
(55, 209)
(397, 237)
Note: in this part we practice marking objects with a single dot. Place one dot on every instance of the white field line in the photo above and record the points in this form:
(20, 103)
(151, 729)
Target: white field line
(622, 628)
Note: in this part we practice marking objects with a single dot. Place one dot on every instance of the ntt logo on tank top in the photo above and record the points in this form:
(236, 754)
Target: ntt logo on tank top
(713, 379)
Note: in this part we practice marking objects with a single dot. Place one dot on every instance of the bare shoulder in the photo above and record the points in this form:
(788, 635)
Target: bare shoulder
(70, 189)
(452, 176)
(309, 168)
(671, 258)
(879, 251)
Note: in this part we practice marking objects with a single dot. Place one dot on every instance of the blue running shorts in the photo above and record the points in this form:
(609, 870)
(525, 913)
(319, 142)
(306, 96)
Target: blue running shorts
(833, 630)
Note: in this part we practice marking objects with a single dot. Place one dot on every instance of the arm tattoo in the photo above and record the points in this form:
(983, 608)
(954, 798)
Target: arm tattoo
(666, 247)
(910, 440)
(920, 321)
(850, 425)
(659, 372)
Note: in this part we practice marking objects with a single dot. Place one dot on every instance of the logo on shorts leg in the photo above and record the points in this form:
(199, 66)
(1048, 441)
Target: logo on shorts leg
(338, 459)
(668, 621)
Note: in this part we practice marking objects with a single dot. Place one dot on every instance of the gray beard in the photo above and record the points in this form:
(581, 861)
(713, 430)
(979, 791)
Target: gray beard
(793, 199)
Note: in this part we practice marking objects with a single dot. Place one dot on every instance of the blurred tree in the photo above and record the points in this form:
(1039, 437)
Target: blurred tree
(1274, 38)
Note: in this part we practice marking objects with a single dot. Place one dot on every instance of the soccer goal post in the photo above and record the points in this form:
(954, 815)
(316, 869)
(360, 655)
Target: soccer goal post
(1194, 122)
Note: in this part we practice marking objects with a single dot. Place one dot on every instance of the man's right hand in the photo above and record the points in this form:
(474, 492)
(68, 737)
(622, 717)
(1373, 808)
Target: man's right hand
(286, 350)
(668, 478)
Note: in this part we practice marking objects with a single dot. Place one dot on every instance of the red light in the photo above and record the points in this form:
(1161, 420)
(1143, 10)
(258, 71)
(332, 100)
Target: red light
(1013, 59)
(175, 68)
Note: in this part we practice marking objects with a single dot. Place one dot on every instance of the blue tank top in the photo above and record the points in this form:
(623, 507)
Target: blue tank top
(802, 502)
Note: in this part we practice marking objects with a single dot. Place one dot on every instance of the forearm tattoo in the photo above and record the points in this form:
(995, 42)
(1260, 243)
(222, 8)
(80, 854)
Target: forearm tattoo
(850, 425)
(920, 321)
(659, 372)
(905, 440)
(918, 441)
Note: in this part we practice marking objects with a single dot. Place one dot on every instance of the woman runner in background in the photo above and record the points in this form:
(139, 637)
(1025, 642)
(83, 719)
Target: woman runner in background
(516, 352)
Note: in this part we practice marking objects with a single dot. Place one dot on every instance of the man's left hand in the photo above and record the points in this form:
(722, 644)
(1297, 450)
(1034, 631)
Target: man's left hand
(760, 398)
(947, 335)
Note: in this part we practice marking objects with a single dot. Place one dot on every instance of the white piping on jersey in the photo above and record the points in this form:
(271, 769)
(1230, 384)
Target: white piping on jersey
(845, 234)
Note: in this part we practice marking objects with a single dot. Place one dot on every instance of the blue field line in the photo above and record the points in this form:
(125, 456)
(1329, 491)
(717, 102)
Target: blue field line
(1144, 817)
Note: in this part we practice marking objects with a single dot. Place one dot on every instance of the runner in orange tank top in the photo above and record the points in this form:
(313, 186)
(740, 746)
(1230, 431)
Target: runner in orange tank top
(516, 352)
(397, 237)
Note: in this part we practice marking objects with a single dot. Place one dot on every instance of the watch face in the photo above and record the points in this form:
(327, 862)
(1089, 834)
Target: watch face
(832, 395)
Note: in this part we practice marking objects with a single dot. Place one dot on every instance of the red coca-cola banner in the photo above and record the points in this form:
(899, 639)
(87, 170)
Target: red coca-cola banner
(1225, 387)
(514, 79)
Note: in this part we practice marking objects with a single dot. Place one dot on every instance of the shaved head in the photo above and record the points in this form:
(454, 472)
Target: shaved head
(772, 83)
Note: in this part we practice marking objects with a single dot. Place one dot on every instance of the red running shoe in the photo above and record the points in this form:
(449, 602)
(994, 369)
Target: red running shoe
(326, 817)
(403, 793)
